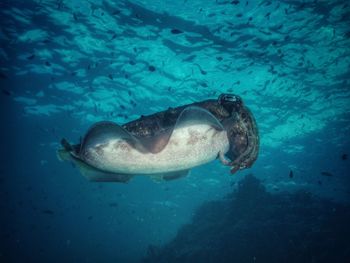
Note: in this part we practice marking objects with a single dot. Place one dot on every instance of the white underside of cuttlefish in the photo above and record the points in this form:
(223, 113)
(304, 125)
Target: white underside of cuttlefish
(110, 153)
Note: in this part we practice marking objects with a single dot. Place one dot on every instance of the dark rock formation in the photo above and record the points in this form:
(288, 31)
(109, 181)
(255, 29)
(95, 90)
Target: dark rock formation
(253, 225)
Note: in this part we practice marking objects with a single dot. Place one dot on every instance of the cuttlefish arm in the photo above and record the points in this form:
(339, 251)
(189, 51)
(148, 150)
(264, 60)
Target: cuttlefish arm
(227, 162)
(223, 159)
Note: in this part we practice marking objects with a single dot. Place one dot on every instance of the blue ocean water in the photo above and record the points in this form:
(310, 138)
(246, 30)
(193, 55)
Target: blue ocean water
(68, 64)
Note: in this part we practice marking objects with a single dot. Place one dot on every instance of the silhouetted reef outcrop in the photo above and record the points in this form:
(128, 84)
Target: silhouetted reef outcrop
(253, 225)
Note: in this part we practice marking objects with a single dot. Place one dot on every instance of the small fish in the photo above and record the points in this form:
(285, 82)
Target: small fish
(31, 57)
(151, 68)
(291, 174)
(114, 36)
(6, 92)
(326, 174)
(235, 2)
(344, 157)
(47, 63)
(110, 76)
(203, 72)
(48, 211)
(176, 31)
(189, 58)
(203, 84)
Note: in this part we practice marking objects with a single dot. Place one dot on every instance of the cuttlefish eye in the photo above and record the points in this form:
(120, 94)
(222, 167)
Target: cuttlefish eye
(229, 98)
(230, 102)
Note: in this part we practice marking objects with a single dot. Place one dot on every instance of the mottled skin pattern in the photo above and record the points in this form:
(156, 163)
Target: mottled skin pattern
(234, 116)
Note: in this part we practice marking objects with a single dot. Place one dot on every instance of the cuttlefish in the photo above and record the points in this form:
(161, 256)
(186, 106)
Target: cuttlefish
(167, 144)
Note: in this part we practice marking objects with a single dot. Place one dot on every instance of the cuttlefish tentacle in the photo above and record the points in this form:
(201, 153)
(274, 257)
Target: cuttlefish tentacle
(223, 159)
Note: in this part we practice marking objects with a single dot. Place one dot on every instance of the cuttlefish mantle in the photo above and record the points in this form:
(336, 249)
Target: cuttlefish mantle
(166, 145)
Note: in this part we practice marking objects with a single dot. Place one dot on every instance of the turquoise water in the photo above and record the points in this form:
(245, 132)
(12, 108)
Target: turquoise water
(68, 64)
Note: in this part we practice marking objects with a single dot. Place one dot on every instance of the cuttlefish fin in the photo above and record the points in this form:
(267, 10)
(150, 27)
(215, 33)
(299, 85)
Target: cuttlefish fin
(159, 177)
(196, 115)
(189, 116)
(104, 131)
(65, 154)
(156, 143)
(175, 175)
(91, 173)
(96, 175)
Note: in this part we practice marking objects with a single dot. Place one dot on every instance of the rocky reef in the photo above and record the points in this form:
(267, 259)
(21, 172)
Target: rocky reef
(253, 225)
